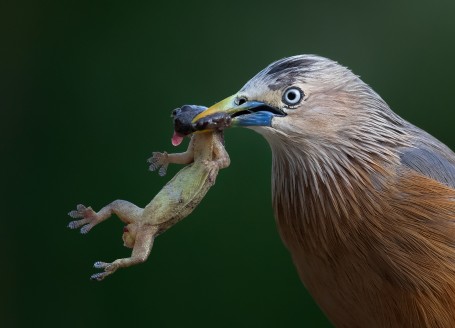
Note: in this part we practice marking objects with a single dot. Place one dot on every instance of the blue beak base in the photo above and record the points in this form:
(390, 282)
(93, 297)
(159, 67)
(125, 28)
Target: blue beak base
(261, 118)
(255, 113)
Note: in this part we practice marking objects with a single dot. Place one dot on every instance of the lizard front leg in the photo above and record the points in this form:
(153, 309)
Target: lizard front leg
(162, 160)
(126, 211)
(220, 159)
(141, 251)
(220, 155)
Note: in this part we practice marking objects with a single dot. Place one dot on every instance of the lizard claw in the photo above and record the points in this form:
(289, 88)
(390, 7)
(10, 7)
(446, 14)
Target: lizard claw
(159, 161)
(109, 268)
(99, 276)
(88, 218)
(85, 229)
(78, 213)
(100, 265)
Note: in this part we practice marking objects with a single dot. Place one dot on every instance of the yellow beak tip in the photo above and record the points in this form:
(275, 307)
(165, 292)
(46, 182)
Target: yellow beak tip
(222, 106)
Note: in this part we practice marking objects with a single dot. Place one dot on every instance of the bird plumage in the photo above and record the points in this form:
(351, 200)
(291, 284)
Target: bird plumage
(364, 200)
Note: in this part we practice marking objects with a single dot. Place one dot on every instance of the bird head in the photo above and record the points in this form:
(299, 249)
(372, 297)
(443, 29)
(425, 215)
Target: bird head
(309, 101)
(329, 133)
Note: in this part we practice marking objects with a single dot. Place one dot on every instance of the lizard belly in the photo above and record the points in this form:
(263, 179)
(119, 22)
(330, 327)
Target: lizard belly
(178, 198)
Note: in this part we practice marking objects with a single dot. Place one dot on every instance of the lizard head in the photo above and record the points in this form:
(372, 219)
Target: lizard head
(183, 121)
(183, 118)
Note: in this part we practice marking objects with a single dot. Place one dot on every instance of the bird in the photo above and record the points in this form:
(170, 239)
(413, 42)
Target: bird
(363, 200)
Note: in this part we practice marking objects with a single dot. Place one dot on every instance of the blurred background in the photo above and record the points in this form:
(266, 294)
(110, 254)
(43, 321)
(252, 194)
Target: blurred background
(87, 91)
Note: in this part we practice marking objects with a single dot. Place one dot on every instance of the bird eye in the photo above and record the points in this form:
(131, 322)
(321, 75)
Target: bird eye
(292, 96)
(240, 101)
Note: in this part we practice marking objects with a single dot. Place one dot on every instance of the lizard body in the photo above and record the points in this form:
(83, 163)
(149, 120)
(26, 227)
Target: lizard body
(188, 187)
(176, 200)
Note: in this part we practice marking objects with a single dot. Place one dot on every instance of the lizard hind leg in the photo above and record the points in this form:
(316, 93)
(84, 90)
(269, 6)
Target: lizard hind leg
(126, 211)
(142, 246)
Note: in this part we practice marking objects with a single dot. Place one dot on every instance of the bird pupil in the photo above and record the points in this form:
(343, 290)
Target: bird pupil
(292, 95)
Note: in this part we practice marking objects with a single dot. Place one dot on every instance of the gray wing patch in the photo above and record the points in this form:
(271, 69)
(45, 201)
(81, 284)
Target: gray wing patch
(430, 164)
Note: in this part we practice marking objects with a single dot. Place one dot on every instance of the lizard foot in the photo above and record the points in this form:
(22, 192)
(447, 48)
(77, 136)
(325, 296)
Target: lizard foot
(109, 268)
(88, 216)
(159, 161)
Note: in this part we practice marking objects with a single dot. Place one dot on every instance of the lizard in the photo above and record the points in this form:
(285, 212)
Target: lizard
(205, 155)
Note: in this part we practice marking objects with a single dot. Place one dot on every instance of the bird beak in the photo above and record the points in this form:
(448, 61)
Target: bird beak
(250, 113)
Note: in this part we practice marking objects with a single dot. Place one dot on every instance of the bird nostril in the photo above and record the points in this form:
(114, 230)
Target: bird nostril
(175, 111)
(241, 101)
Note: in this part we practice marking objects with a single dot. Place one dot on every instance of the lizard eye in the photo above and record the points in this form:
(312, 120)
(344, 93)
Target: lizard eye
(175, 111)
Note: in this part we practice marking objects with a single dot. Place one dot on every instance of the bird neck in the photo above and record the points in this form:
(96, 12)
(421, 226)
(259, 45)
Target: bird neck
(322, 193)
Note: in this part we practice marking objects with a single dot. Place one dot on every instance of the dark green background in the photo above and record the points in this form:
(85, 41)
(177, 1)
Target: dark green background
(86, 93)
